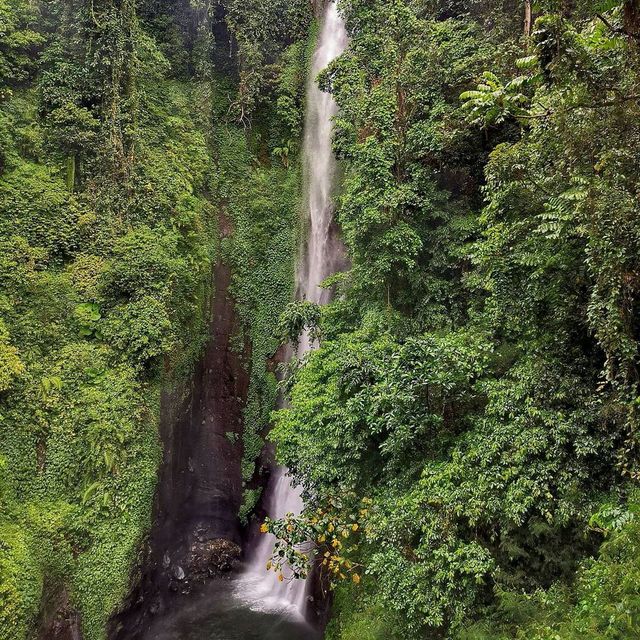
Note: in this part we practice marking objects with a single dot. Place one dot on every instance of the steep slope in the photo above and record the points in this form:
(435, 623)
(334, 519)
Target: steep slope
(124, 135)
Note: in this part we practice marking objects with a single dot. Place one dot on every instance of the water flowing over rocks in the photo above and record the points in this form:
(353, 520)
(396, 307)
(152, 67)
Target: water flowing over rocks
(196, 536)
(321, 256)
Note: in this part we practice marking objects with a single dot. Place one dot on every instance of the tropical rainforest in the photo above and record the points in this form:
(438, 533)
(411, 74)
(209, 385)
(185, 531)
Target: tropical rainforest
(466, 434)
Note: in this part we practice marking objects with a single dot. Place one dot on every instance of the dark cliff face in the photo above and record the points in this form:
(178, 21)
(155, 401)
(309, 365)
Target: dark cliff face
(59, 620)
(196, 533)
(201, 484)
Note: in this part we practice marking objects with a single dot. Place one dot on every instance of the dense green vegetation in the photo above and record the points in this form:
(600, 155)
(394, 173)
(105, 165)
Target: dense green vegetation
(467, 432)
(125, 147)
(477, 380)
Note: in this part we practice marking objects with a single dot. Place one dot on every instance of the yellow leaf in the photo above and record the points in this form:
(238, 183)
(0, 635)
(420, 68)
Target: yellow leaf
(356, 578)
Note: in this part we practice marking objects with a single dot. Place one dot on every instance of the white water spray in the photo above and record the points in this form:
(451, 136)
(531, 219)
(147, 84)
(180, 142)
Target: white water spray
(321, 258)
(323, 253)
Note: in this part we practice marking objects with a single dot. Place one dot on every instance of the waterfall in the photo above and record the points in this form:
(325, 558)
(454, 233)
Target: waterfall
(324, 252)
(321, 257)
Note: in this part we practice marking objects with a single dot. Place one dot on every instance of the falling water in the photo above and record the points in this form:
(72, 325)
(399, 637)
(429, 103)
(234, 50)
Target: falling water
(324, 251)
(255, 605)
(321, 258)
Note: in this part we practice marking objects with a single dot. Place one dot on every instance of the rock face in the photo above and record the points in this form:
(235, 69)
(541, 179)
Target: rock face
(201, 482)
(65, 626)
(59, 620)
(204, 561)
(212, 558)
(196, 535)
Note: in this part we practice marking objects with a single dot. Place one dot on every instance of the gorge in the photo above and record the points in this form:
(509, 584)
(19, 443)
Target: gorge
(319, 319)
(196, 532)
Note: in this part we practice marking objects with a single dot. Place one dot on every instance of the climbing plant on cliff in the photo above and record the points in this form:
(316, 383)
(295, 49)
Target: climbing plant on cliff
(110, 181)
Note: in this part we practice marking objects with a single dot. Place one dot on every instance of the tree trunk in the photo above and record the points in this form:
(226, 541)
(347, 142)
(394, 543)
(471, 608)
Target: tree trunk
(71, 172)
(527, 18)
(632, 16)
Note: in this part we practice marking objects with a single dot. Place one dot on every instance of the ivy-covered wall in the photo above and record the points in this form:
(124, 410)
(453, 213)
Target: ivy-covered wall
(260, 191)
(126, 139)
(96, 302)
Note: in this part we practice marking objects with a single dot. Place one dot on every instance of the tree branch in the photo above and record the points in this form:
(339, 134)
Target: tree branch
(597, 105)
(617, 30)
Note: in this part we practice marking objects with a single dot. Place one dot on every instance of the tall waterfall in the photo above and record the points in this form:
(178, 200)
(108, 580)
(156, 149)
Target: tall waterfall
(321, 258)
(323, 251)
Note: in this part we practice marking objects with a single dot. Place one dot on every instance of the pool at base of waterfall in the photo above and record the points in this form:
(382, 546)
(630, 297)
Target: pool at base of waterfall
(236, 609)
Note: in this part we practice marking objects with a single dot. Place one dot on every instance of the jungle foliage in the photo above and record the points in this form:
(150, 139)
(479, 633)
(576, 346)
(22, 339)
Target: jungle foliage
(477, 379)
(131, 136)
(466, 434)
